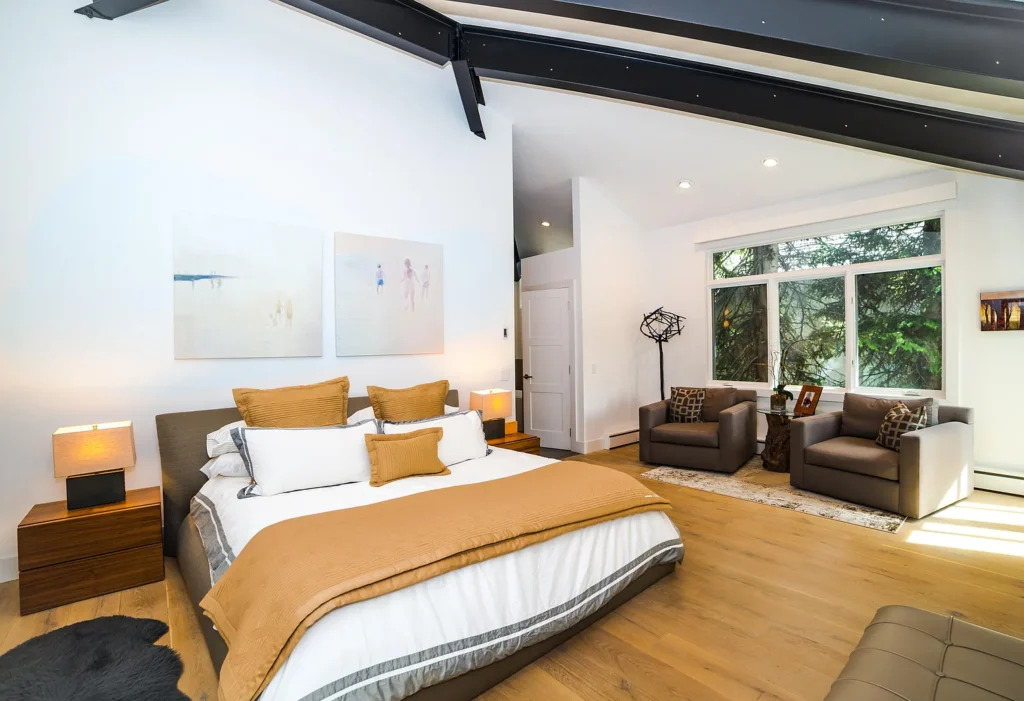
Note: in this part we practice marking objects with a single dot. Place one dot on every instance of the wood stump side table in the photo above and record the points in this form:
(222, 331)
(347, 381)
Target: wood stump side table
(775, 456)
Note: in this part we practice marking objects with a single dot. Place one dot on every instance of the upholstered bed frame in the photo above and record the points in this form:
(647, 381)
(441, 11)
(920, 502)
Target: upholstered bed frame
(182, 440)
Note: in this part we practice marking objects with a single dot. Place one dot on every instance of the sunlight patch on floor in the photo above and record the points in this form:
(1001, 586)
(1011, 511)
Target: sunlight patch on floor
(998, 546)
(975, 512)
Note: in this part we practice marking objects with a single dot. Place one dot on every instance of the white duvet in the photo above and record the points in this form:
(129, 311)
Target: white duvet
(387, 648)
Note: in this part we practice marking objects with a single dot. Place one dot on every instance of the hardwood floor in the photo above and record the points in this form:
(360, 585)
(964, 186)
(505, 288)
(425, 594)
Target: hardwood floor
(767, 604)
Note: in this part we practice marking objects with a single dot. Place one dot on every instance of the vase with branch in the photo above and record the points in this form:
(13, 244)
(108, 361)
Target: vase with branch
(777, 368)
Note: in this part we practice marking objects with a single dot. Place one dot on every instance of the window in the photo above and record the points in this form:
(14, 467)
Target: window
(896, 242)
(848, 310)
(812, 330)
(899, 329)
(741, 333)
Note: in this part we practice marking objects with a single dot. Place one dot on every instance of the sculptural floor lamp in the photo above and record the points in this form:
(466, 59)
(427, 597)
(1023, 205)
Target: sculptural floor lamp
(662, 326)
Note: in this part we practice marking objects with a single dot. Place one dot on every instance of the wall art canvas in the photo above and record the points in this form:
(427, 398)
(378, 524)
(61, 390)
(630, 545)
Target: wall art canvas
(1002, 311)
(246, 289)
(388, 296)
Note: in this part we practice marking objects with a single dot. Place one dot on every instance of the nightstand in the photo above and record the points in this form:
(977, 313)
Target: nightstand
(67, 556)
(519, 442)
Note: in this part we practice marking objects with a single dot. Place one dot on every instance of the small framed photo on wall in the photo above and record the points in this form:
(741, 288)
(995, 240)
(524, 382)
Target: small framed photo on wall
(807, 402)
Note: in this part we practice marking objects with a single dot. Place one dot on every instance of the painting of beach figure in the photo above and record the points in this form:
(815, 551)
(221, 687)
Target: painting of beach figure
(1001, 311)
(388, 296)
(246, 289)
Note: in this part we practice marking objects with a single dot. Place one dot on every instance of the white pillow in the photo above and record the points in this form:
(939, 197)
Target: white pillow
(280, 460)
(367, 413)
(463, 437)
(226, 465)
(220, 442)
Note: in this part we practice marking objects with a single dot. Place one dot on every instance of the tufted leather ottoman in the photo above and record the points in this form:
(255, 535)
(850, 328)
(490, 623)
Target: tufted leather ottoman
(911, 655)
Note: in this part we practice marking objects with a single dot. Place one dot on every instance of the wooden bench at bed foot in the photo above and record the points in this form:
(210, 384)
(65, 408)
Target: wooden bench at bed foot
(911, 655)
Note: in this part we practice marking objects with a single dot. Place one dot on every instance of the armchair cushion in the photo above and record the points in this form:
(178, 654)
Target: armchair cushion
(863, 416)
(857, 455)
(716, 400)
(701, 435)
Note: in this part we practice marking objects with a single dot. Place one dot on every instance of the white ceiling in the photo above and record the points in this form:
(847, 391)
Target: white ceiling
(637, 155)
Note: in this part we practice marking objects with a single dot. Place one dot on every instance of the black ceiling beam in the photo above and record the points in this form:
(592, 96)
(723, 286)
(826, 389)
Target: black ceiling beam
(903, 129)
(112, 9)
(471, 99)
(403, 24)
(970, 45)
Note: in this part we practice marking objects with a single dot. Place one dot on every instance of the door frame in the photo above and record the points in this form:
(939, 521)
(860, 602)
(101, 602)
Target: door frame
(575, 439)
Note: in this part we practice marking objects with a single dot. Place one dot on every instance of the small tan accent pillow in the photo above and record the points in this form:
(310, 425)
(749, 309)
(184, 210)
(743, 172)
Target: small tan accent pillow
(412, 404)
(301, 406)
(400, 455)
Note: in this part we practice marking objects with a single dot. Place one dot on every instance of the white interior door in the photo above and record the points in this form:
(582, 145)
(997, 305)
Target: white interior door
(547, 390)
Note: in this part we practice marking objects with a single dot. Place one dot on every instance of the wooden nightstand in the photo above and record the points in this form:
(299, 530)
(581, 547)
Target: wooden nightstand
(66, 556)
(520, 442)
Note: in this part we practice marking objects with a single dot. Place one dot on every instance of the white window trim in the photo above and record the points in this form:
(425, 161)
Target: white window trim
(772, 280)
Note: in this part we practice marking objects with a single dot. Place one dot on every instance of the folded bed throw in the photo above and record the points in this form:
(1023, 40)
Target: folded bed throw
(295, 572)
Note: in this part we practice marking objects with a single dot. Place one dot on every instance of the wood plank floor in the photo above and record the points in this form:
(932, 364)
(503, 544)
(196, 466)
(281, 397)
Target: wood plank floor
(767, 604)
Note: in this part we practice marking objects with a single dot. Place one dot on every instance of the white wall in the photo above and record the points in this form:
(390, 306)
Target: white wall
(984, 250)
(611, 285)
(241, 108)
(986, 254)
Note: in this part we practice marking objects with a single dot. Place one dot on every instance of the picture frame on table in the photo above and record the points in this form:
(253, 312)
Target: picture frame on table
(807, 402)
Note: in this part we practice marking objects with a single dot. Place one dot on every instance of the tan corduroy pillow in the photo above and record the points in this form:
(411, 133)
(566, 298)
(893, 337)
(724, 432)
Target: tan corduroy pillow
(302, 406)
(400, 455)
(412, 404)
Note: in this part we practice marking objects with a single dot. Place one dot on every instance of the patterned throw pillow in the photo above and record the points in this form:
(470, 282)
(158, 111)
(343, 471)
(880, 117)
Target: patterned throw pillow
(685, 404)
(898, 421)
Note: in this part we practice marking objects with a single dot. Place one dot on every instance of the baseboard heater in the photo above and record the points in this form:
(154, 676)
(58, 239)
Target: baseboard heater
(617, 440)
(992, 481)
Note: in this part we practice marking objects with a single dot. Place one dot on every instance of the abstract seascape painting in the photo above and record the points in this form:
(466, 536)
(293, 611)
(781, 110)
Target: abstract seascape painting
(246, 289)
(1001, 311)
(388, 296)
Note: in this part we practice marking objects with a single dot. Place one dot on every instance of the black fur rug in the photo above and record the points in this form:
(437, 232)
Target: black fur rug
(105, 659)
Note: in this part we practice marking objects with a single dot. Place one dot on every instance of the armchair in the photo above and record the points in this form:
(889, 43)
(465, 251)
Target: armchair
(723, 441)
(832, 454)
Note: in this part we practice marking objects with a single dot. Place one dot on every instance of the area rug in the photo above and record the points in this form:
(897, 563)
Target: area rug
(111, 658)
(744, 484)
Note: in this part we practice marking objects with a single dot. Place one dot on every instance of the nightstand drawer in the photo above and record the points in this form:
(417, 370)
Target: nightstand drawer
(56, 585)
(64, 540)
(519, 442)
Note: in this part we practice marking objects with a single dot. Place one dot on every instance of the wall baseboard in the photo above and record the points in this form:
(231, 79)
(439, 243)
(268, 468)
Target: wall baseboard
(8, 569)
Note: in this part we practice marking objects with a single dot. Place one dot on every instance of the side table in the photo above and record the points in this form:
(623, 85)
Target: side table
(775, 456)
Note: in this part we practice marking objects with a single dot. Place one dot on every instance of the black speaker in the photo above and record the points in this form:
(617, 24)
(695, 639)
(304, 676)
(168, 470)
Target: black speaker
(495, 428)
(95, 490)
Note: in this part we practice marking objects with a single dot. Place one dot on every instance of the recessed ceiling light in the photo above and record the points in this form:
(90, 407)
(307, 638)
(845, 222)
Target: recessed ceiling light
(685, 184)
(770, 162)
(545, 223)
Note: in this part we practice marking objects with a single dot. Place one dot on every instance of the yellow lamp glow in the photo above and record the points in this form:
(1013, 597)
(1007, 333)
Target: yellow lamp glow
(494, 403)
(83, 450)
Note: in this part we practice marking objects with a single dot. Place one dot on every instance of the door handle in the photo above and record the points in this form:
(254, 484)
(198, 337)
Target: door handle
(527, 377)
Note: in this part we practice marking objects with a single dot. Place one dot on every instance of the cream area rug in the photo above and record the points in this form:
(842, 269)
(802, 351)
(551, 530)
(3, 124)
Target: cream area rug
(753, 483)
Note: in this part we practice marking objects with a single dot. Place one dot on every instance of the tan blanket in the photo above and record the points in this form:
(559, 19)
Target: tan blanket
(295, 572)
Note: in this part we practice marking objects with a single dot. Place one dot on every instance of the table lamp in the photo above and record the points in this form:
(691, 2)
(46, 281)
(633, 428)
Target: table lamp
(93, 459)
(496, 405)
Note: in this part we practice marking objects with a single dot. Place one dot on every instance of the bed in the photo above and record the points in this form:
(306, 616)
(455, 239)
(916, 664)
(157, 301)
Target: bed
(364, 651)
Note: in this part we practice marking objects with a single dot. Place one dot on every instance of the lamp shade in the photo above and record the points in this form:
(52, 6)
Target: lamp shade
(82, 450)
(494, 403)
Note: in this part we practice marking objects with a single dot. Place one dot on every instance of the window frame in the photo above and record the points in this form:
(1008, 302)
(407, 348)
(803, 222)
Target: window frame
(850, 273)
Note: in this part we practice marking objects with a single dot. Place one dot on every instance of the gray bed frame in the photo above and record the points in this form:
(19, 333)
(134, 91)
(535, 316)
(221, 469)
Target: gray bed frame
(182, 438)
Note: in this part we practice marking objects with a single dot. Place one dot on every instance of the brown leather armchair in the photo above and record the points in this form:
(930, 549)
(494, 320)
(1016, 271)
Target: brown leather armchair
(723, 441)
(836, 454)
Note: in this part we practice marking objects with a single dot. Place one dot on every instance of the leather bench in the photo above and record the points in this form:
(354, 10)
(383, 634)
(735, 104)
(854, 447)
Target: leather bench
(911, 655)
